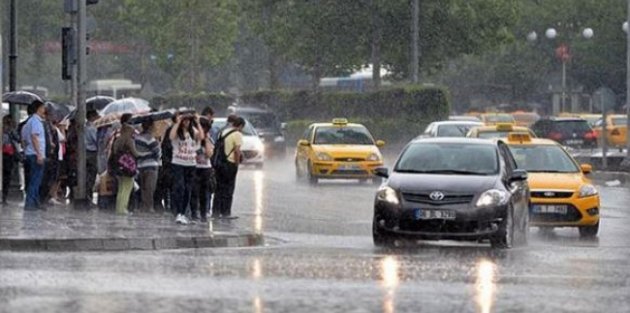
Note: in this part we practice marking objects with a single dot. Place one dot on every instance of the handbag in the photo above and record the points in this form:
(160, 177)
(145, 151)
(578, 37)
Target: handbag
(126, 164)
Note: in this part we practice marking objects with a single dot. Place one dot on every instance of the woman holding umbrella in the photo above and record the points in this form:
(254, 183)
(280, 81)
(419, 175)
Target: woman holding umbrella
(185, 136)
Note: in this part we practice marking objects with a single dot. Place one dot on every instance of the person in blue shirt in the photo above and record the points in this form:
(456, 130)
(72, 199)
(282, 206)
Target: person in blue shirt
(34, 140)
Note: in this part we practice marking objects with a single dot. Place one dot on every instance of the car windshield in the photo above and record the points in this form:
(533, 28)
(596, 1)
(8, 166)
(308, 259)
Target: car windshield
(620, 121)
(543, 159)
(454, 130)
(333, 135)
(493, 134)
(248, 130)
(262, 120)
(449, 158)
(575, 126)
(499, 118)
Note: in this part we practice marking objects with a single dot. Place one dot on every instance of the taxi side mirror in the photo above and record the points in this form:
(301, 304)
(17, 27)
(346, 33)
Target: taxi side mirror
(380, 143)
(304, 143)
(586, 168)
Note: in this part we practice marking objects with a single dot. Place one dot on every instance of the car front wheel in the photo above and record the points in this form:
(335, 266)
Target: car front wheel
(504, 237)
(380, 239)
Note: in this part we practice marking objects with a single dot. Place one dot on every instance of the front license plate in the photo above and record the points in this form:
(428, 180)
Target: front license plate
(550, 209)
(349, 167)
(429, 214)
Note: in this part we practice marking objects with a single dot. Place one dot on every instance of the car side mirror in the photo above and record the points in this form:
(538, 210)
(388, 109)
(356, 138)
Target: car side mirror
(380, 143)
(518, 176)
(382, 172)
(304, 143)
(586, 168)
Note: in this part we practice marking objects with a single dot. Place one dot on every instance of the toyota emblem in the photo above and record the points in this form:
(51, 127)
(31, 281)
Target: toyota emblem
(436, 196)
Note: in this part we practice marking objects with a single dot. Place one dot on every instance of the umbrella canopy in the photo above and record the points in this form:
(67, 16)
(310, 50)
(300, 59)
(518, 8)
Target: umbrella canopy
(57, 111)
(20, 97)
(98, 102)
(153, 116)
(126, 105)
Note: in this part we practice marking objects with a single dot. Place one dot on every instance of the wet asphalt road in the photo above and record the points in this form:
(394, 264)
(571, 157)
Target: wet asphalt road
(320, 258)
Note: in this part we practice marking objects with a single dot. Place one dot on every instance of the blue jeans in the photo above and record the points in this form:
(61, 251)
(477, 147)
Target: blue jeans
(36, 174)
(182, 187)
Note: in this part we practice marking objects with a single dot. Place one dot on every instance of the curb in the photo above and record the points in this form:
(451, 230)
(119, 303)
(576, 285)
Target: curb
(126, 244)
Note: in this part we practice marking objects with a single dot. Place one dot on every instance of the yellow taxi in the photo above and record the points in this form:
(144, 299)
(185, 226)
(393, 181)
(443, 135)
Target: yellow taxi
(338, 150)
(525, 119)
(616, 129)
(495, 118)
(500, 130)
(561, 193)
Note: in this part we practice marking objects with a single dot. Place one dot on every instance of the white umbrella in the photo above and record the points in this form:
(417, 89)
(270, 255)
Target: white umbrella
(126, 105)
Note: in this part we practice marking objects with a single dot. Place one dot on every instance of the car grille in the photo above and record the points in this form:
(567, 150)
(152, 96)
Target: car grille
(249, 154)
(349, 159)
(408, 223)
(573, 215)
(349, 172)
(550, 194)
(448, 199)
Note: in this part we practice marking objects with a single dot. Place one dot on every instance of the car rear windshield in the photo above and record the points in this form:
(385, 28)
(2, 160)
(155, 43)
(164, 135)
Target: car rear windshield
(454, 130)
(332, 135)
(620, 121)
(543, 159)
(493, 134)
(449, 158)
(566, 127)
(500, 118)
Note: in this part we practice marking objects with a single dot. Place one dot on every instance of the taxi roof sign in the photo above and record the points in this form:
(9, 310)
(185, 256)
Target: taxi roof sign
(340, 121)
(505, 127)
(519, 137)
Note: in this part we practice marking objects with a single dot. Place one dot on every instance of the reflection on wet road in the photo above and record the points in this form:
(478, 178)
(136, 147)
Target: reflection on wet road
(320, 258)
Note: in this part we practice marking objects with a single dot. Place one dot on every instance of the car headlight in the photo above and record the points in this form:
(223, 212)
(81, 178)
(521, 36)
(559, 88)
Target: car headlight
(388, 195)
(374, 157)
(323, 156)
(588, 190)
(492, 198)
(278, 139)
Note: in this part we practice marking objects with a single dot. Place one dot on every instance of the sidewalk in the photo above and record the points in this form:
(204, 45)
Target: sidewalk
(63, 229)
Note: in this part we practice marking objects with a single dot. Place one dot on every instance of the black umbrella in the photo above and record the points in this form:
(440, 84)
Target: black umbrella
(153, 116)
(20, 97)
(98, 102)
(57, 111)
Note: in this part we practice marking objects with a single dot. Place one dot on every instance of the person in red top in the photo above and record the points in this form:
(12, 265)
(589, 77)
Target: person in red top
(10, 154)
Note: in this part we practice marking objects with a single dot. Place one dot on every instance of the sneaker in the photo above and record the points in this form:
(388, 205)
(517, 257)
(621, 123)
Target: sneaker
(54, 201)
(181, 219)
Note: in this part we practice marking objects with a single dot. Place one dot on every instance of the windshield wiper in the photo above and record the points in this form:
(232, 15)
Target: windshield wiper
(459, 172)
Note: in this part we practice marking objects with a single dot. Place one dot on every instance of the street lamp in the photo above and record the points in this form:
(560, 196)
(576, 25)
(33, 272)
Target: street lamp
(563, 53)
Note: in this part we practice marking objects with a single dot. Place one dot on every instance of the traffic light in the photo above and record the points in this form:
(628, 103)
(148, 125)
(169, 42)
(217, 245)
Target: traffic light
(68, 52)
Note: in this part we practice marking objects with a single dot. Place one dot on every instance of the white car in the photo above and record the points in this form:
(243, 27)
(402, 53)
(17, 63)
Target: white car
(449, 129)
(253, 148)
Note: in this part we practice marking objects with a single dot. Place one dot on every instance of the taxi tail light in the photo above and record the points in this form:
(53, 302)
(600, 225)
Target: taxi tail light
(615, 132)
(555, 136)
(590, 135)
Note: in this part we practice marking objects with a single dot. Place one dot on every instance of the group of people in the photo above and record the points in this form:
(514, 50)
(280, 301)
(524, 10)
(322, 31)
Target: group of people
(189, 169)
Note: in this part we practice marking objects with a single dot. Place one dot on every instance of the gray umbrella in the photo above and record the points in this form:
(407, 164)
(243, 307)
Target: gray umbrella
(98, 102)
(20, 97)
(57, 111)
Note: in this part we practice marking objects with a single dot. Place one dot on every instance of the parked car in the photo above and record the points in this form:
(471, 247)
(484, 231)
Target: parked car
(568, 131)
(266, 123)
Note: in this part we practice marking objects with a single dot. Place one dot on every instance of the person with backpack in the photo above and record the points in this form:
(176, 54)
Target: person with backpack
(123, 163)
(205, 178)
(185, 137)
(226, 159)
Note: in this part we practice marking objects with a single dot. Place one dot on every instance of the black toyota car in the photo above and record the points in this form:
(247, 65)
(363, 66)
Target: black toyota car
(453, 189)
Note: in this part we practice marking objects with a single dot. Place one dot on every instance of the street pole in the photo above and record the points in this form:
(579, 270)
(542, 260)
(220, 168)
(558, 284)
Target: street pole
(415, 39)
(80, 192)
(13, 55)
(604, 134)
(564, 86)
(627, 160)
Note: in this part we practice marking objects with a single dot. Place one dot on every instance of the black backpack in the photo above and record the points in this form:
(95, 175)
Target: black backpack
(219, 158)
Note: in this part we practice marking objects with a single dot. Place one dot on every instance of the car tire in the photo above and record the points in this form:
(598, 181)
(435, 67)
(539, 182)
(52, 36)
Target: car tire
(380, 240)
(589, 231)
(504, 237)
(311, 178)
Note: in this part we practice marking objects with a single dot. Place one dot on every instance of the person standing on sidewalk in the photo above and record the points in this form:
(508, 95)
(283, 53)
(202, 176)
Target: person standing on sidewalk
(205, 179)
(10, 154)
(226, 173)
(34, 140)
(149, 154)
(124, 149)
(184, 139)
(91, 147)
